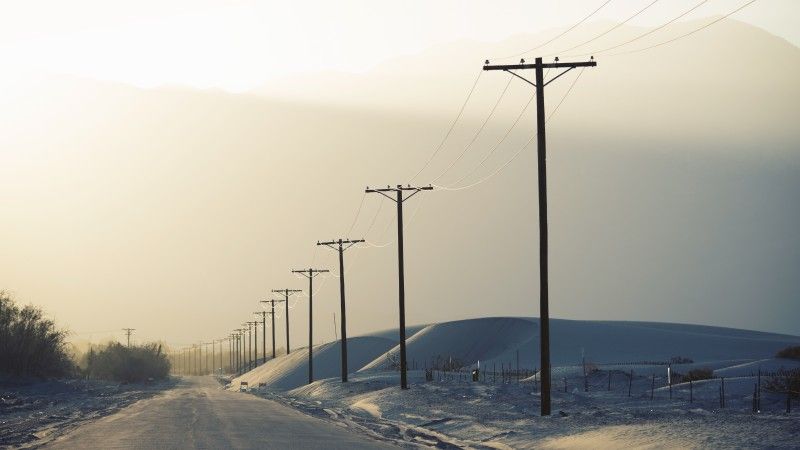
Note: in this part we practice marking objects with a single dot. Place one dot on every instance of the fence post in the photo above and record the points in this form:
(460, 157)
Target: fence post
(758, 404)
(609, 380)
(691, 393)
(653, 387)
(722, 393)
(630, 383)
(788, 402)
(565, 385)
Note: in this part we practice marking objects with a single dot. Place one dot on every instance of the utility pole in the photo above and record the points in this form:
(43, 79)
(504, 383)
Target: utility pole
(401, 281)
(272, 315)
(128, 332)
(544, 311)
(253, 345)
(340, 246)
(286, 293)
(310, 274)
(263, 336)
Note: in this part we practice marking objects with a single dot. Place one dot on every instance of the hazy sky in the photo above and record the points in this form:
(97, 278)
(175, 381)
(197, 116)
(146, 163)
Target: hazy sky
(173, 211)
(239, 45)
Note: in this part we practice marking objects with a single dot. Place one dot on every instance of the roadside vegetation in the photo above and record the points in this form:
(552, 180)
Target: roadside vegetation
(30, 344)
(116, 362)
(790, 353)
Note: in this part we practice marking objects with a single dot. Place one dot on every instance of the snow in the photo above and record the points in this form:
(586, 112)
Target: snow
(290, 371)
(498, 340)
(450, 411)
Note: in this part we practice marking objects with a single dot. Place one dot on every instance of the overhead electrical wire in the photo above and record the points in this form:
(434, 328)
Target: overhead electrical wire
(507, 163)
(645, 34)
(590, 15)
(668, 41)
(500, 142)
(452, 126)
(636, 14)
(477, 133)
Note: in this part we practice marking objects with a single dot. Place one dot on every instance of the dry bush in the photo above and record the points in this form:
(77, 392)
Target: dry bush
(30, 344)
(790, 353)
(701, 373)
(785, 381)
(127, 364)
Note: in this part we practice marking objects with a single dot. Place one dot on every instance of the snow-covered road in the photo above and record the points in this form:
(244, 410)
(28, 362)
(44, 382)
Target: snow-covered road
(199, 414)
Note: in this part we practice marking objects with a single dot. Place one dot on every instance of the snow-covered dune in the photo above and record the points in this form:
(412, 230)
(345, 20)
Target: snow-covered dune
(290, 371)
(499, 340)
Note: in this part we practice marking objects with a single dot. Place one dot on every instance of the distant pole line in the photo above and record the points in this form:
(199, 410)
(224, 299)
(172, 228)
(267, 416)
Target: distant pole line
(286, 294)
(310, 274)
(399, 199)
(128, 332)
(544, 311)
(340, 246)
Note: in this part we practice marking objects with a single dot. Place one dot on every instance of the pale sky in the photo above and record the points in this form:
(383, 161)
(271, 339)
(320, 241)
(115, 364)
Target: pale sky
(174, 211)
(240, 45)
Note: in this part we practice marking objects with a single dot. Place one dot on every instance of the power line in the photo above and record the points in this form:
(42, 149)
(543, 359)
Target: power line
(689, 33)
(521, 149)
(477, 133)
(636, 14)
(590, 15)
(499, 143)
(452, 126)
(647, 33)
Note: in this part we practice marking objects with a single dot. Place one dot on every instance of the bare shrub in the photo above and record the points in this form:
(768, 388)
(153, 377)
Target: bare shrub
(790, 353)
(30, 344)
(127, 364)
(786, 382)
(701, 373)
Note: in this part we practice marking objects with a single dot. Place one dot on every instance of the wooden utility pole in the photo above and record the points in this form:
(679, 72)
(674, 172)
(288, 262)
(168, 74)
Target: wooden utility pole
(286, 294)
(544, 312)
(340, 246)
(399, 199)
(272, 315)
(128, 332)
(310, 274)
(263, 335)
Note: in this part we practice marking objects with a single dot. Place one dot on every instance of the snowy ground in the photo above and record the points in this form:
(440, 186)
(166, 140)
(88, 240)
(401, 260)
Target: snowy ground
(449, 413)
(35, 413)
(491, 413)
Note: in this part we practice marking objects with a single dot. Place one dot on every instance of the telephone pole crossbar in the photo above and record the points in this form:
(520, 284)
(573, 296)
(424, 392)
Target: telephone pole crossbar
(340, 246)
(544, 311)
(310, 274)
(399, 199)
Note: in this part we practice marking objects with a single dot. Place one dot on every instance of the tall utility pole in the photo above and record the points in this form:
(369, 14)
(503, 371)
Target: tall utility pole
(128, 332)
(272, 315)
(286, 293)
(310, 274)
(263, 336)
(254, 345)
(544, 311)
(341, 245)
(401, 281)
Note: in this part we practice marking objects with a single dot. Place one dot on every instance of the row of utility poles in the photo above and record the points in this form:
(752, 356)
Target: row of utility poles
(400, 194)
